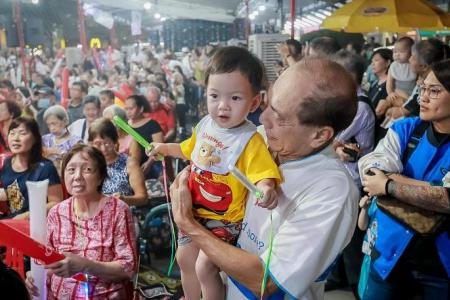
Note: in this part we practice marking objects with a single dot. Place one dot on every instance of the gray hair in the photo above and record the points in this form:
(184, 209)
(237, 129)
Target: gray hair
(116, 110)
(57, 111)
(155, 89)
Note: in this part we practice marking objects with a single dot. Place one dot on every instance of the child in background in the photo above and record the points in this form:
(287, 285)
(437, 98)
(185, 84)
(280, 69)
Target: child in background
(366, 222)
(401, 79)
(234, 79)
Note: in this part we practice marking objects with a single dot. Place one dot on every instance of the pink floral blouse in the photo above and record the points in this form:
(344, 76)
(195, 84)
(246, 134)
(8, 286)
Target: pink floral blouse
(107, 237)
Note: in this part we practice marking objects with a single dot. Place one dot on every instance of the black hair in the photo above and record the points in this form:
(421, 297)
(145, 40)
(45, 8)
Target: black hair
(325, 46)
(103, 128)
(11, 284)
(141, 101)
(108, 93)
(441, 70)
(92, 99)
(232, 58)
(296, 46)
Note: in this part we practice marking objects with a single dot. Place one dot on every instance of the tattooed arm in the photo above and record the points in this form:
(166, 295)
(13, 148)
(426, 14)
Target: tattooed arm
(434, 198)
(411, 191)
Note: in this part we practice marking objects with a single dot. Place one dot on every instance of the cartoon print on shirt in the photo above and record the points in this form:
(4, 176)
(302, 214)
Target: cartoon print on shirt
(370, 239)
(15, 197)
(208, 192)
(206, 155)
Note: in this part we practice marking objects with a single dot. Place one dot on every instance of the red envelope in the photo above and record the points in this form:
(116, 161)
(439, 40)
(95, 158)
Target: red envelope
(14, 233)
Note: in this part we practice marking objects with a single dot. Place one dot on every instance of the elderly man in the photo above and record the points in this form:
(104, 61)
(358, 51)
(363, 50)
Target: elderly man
(312, 101)
(161, 114)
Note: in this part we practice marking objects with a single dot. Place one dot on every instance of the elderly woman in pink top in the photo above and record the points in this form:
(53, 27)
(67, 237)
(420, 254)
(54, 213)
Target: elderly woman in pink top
(95, 232)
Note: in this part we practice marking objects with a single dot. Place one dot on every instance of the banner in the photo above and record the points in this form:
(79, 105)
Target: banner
(136, 20)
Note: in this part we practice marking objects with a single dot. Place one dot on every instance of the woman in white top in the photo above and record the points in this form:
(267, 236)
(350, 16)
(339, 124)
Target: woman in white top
(91, 111)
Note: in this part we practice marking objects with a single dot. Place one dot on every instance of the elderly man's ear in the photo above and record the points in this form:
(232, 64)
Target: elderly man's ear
(323, 136)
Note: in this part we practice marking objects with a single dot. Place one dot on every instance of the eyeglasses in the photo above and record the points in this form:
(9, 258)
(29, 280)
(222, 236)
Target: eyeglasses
(98, 145)
(432, 91)
(85, 170)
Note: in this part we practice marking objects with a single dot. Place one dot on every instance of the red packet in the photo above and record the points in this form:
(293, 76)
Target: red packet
(14, 233)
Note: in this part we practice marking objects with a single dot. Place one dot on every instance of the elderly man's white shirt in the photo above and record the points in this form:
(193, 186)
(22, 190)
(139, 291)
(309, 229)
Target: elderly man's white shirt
(313, 222)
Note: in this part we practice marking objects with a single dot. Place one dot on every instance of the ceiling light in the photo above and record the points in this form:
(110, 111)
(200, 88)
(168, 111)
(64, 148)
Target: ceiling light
(163, 19)
(251, 17)
(147, 5)
(157, 16)
(35, 1)
(262, 8)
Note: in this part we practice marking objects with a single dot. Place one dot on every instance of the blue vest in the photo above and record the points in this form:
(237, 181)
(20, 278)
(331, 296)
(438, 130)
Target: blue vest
(428, 163)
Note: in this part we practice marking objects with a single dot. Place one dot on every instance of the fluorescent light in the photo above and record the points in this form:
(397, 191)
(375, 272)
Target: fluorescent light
(35, 1)
(325, 12)
(312, 18)
(147, 5)
(319, 15)
(163, 19)
(262, 8)
(306, 21)
(157, 16)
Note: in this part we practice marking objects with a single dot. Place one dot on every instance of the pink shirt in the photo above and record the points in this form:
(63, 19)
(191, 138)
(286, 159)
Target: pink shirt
(107, 237)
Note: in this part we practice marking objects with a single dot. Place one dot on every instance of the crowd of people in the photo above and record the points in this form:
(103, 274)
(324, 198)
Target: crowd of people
(335, 131)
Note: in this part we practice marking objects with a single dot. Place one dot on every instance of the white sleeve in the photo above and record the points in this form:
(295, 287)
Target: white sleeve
(313, 235)
(386, 156)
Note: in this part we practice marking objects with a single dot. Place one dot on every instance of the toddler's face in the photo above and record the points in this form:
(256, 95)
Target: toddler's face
(230, 98)
(401, 53)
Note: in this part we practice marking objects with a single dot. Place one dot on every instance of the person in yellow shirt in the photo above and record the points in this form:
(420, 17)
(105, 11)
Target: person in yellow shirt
(234, 79)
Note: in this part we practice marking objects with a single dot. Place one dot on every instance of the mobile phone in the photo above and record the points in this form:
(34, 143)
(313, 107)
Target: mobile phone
(351, 152)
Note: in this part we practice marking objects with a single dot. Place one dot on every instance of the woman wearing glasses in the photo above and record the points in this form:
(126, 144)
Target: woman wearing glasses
(94, 232)
(125, 178)
(417, 151)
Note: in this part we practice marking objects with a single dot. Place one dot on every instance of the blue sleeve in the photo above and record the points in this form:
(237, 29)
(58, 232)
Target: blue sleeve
(48, 171)
(404, 129)
(372, 208)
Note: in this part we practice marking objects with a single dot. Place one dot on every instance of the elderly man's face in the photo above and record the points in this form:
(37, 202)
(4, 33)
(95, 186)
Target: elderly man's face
(285, 134)
(153, 99)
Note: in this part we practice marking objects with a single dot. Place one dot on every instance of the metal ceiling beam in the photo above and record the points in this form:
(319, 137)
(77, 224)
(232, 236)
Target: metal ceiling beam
(173, 9)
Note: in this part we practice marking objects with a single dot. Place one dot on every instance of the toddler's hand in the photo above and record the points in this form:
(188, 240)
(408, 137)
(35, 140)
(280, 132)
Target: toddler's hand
(158, 148)
(365, 202)
(270, 199)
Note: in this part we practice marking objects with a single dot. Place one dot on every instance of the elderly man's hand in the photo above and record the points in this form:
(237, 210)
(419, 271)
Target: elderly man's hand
(375, 185)
(180, 196)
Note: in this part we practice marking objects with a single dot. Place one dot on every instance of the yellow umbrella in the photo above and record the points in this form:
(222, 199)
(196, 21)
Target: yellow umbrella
(387, 16)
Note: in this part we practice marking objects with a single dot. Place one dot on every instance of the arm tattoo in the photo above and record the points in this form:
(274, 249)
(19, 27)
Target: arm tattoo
(434, 198)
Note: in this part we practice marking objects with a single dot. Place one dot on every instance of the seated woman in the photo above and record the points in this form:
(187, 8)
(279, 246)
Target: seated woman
(95, 232)
(26, 164)
(91, 111)
(59, 141)
(126, 142)
(125, 178)
(9, 110)
(136, 106)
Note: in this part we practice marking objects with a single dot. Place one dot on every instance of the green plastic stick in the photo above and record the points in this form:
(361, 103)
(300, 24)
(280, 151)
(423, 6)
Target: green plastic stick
(128, 129)
(139, 138)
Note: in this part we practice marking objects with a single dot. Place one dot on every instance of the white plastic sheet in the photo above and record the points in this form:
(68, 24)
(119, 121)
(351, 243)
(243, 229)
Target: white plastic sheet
(37, 196)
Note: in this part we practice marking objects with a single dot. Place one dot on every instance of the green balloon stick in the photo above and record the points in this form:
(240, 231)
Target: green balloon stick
(138, 138)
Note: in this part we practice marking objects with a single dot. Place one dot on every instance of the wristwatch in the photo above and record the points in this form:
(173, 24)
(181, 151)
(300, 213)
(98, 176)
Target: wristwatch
(389, 188)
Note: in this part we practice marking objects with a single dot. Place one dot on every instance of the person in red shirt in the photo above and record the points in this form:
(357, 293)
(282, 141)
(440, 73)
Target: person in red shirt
(161, 114)
(165, 117)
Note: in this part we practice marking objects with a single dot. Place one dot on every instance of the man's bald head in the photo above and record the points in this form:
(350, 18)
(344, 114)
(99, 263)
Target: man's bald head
(153, 97)
(324, 90)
